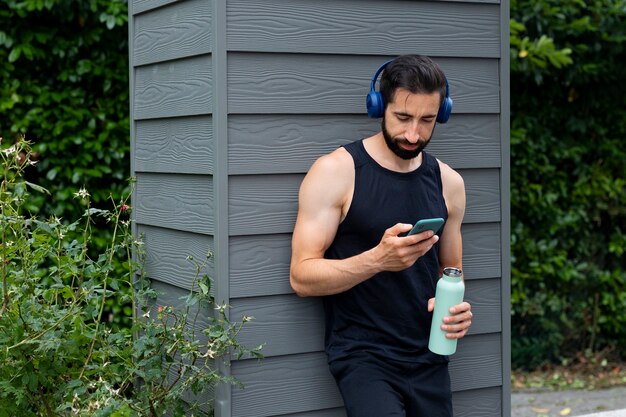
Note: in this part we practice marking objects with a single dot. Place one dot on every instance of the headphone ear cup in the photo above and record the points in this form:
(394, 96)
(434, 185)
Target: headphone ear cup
(375, 104)
(445, 110)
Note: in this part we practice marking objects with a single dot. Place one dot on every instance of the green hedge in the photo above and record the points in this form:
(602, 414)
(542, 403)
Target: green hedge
(64, 71)
(64, 85)
(568, 156)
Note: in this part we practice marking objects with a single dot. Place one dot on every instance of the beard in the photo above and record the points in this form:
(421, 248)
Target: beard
(394, 144)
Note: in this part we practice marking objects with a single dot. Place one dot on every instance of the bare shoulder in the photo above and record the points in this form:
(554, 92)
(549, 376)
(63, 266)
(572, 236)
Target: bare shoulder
(453, 192)
(452, 180)
(330, 179)
(334, 170)
(337, 162)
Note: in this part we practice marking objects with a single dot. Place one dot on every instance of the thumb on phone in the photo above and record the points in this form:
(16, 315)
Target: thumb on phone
(398, 228)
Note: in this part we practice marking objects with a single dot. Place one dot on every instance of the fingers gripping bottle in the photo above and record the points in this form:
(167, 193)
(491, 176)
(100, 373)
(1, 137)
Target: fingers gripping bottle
(450, 291)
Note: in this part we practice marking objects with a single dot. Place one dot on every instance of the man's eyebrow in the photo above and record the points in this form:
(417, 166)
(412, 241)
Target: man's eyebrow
(400, 113)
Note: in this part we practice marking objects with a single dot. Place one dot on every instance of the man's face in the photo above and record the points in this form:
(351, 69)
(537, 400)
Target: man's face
(409, 121)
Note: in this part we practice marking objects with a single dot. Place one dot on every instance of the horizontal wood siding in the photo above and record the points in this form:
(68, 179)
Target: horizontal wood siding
(486, 402)
(140, 6)
(263, 204)
(257, 142)
(320, 84)
(363, 27)
(180, 30)
(296, 325)
(174, 88)
(299, 383)
(174, 145)
(167, 253)
(259, 265)
(180, 202)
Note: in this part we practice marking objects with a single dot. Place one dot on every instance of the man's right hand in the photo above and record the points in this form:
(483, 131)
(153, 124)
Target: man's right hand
(396, 253)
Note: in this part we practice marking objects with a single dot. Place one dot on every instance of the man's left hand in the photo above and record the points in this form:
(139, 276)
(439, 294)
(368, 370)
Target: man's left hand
(458, 322)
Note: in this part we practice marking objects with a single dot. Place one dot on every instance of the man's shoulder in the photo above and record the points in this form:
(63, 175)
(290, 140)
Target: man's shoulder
(336, 162)
(449, 176)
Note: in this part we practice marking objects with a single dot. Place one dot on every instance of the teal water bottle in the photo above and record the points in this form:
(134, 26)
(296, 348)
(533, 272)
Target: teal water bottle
(450, 291)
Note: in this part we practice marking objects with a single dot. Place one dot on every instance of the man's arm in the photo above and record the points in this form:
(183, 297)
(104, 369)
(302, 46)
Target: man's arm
(451, 249)
(325, 195)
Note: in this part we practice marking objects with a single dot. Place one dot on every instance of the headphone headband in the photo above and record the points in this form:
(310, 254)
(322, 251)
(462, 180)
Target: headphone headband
(376, 106)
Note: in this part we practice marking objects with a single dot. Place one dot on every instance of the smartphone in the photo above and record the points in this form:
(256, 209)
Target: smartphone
(427, 224)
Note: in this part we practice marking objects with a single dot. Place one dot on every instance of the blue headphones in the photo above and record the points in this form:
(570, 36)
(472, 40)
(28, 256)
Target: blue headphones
(376, 106)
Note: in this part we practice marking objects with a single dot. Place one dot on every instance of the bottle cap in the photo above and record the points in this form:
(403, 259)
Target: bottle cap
(452, 272)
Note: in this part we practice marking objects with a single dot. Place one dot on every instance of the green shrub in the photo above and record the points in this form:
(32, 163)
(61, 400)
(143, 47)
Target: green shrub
(58, 354)
(64, 72)
(568, 178)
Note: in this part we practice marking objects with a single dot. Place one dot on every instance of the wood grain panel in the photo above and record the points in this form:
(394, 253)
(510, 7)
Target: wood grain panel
(289, 324)
(486, 402)
(175, 145)
(358, 27)
(175, 88)
(181, 202)
(323, 84)
(333, 412)
(273, 383)
(282, 385)
(263, 204)
(180, 30)
(477, 362)
(280, 144)
(140, 6)
(259, 264)
(482, 255)
(482, 189)
(166, 255)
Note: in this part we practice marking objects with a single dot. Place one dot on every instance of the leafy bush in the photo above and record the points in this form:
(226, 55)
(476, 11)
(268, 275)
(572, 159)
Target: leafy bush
(568, 178)
(64, 73)
(58, 355)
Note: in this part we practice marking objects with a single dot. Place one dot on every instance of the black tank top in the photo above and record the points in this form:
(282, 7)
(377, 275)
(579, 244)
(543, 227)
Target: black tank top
(386, 314)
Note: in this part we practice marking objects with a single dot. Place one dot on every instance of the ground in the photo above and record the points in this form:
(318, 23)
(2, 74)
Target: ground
(582, 372)
(586, 384)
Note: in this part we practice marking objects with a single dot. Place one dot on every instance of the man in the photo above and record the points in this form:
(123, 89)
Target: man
(349, 245)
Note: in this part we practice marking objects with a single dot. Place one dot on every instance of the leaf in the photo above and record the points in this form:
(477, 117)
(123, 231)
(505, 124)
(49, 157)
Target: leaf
(540, 410)
(565, 411)
(15, 54)
(37, 187)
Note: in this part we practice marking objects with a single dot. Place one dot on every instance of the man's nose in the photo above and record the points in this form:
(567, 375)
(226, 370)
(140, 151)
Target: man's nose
(412, 132)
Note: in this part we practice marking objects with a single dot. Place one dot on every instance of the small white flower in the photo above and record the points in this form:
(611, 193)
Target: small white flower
(247, 318)
(82, 193)
(221, 307)
(146, 314)
(9, 151)
(209, 353)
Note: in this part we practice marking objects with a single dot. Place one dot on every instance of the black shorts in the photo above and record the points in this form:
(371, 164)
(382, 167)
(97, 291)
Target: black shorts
(377, 387)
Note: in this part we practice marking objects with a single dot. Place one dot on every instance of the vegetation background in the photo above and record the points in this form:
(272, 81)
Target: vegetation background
(64, 84)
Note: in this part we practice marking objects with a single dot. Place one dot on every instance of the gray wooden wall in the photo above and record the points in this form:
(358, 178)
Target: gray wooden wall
(232, 100)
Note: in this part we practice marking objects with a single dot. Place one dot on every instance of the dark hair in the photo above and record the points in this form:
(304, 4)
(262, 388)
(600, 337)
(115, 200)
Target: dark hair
(415, 73)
